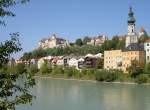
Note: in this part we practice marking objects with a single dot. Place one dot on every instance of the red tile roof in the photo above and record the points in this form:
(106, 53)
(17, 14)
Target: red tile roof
(142, 29)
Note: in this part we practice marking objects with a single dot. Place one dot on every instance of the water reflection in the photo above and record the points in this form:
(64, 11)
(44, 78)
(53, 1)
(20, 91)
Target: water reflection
(75, 95)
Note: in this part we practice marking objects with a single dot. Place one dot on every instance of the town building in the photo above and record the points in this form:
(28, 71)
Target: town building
(147, 50)
(73, 62)
(53, 42)
(98, 41)
(113, 59)
(133, 52)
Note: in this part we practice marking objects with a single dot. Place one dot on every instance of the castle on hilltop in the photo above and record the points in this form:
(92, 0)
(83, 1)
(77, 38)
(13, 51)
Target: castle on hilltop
(53, 42)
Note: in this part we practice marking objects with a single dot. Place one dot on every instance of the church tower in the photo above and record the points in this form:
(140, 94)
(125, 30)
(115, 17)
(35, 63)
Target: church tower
(131, 36)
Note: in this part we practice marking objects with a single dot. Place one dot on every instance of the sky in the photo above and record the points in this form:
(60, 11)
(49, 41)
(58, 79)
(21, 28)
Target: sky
(72, 19)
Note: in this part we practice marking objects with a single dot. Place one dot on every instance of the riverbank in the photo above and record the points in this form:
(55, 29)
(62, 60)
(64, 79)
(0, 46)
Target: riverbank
(84, 80)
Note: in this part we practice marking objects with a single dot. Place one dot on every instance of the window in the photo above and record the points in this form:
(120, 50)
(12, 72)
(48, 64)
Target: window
(147, 44)
(147, 57)
(147, 50)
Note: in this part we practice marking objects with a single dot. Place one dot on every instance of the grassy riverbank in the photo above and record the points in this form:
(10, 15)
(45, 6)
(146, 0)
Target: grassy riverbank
(100, 75)
(115, 78)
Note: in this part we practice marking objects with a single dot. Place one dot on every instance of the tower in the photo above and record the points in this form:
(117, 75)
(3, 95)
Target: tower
(131, 36)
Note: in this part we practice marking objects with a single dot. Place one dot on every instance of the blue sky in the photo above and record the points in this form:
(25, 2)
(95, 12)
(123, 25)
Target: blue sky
(72, 19)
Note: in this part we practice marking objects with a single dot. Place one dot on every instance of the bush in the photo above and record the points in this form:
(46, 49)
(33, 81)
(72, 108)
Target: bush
(147, 68)
(142, 78)
(100, 75)
(58, 70)
(68, 71)
(32, 69)
(20, 69)
(45, 68)
(108, 76)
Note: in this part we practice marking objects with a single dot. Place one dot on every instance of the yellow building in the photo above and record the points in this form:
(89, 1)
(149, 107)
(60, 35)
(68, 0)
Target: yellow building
(132, 52)
(112, 59)
(121, 59)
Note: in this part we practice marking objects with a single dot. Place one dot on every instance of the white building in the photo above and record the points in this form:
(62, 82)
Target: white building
(73, 62)
(40, 62)
(147, 50)
(53, 42)
(132, 37)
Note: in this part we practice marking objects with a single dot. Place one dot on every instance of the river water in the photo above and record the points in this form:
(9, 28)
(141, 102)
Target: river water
(78, 95)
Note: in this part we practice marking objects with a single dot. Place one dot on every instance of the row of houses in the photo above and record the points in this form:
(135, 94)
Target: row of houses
(79, 62)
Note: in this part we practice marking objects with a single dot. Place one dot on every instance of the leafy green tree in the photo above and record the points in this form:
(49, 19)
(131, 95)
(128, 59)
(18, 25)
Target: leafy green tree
(147, 68)
(86, 39)
(99, 63)
(32, 69)
(5, 6)
(8, 80)
(20, 68)
(26, 56)
(79, 42)
(143, 38)
(11, 92)
(44, 69)
(135, 69)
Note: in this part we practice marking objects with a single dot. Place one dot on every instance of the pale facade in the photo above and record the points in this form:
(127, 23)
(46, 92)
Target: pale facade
(73, 62)
(112, 59)
(118, 59)
(129, 56)
(53, 42)
(147, 50)
(98, 41)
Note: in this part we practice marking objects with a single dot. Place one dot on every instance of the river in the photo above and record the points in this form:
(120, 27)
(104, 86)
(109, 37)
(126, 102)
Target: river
(53, 94)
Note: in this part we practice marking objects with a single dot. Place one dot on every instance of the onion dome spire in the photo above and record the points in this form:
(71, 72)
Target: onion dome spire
(131, 18)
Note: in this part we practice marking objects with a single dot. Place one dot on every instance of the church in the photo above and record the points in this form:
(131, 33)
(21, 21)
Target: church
(121, 59)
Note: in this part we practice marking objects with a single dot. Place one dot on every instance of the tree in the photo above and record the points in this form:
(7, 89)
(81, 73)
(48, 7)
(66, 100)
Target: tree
(32, 69)
(20, 68)
(135, 68)
(12, 93)
(143, 38)
(44, 68)
(86, 39)
(147, 68)
(79, 42)
(8, 80)
(99, 63)
(5, 5)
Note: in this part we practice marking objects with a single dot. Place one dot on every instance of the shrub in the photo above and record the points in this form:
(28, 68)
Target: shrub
(32, 69)
(147, 68)
(100, 75)
(57, 70)
(108, 76)
(142, 78)
(44, 68)
(68, 71)
(20, 69)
